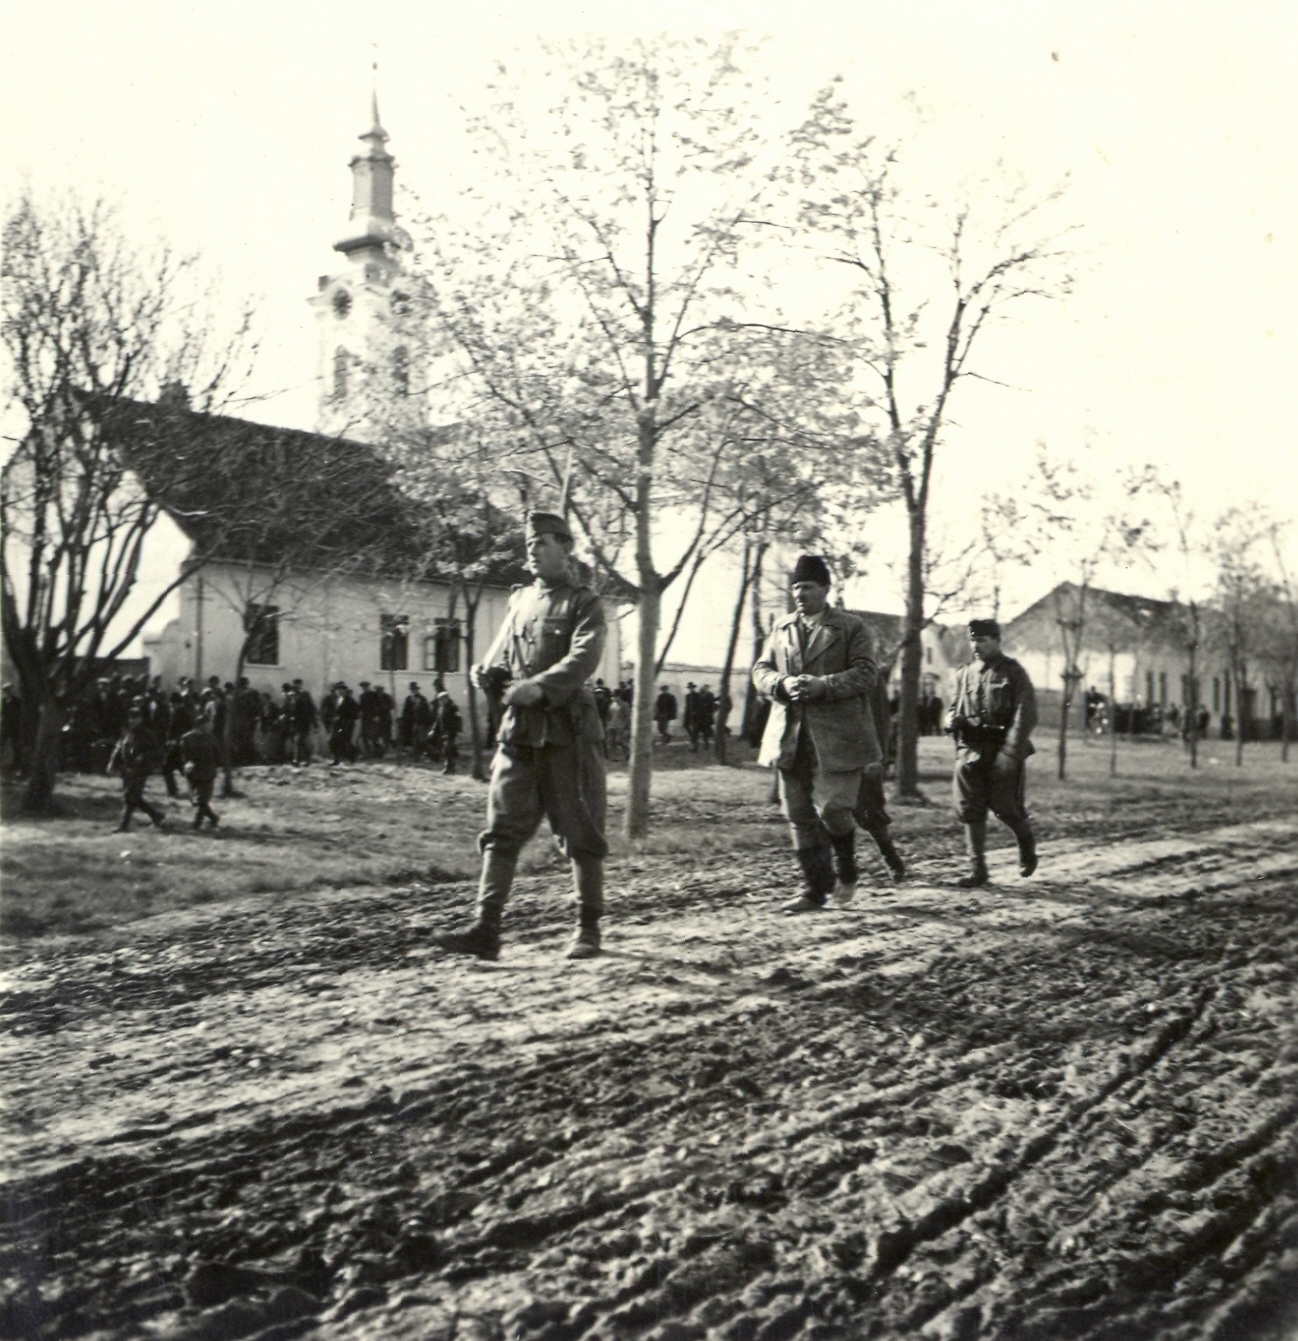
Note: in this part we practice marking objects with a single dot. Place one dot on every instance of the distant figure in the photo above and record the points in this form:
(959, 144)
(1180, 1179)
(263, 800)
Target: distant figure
(446, 729)
(11, 734)
(664, 714)
(617, 736)
(134, 757)
(346, 713)
(200, 763)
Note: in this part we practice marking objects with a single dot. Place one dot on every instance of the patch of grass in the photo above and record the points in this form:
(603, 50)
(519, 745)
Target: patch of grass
(390, 824)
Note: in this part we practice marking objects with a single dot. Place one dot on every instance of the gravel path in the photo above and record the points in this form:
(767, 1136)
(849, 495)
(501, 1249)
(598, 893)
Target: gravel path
(1064, 1107)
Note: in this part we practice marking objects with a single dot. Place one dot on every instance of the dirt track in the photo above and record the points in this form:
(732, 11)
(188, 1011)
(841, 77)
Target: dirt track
(1059, 1108)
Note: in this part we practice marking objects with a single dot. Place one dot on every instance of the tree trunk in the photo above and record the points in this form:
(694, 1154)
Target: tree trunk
(1241, 707)
(723, 717)
(911, 663)
(1192, 735)
(1113, 716)
(1286, 722)
(227, 733)
(759, 634)
(478, 768)
(640, 769)
(1070, 679)
(38, 797)
(641, 763)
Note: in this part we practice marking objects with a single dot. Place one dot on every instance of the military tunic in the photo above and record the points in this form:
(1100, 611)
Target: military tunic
(992, 714)
(549, 758)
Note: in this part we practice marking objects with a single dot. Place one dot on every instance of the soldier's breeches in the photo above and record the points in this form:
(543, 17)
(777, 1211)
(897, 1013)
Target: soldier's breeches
(817, 803)
(561, 783)
(977, 786)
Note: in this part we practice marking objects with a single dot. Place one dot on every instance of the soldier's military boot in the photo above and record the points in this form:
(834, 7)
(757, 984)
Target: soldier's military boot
(818, 879)
(1027, 847)
(844, 868)
(588, 882)
(976, 841)
(483, 937)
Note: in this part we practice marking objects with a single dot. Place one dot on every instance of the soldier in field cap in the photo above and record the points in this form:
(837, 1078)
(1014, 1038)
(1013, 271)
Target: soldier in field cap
(817, 669)
(991, 717)
(549, 759)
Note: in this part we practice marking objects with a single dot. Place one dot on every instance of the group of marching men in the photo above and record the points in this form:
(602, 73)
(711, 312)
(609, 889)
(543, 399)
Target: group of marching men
(818, 674)
(198, 732)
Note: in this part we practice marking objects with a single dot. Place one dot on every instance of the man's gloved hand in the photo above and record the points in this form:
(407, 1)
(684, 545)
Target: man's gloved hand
(1006, 764)
(525, 694)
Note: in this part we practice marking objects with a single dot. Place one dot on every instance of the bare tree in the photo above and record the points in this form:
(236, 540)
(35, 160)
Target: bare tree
(1246, 605)
(914, 326)
(90, 327)
(1065, 520)
(604, 326)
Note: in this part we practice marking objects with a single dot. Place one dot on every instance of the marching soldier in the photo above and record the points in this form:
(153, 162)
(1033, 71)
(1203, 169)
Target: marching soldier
(134, 757)
(992, 716)
(549, 758)
(201, 759)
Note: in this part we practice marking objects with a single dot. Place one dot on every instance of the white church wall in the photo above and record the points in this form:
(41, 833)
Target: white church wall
(329, 629)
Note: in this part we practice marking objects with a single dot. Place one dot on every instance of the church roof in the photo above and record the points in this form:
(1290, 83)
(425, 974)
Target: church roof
(250, 492)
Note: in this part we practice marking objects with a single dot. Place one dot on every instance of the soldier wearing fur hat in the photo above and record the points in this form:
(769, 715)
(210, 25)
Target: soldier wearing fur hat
(991, 717)
(549, 760)
(817, 669)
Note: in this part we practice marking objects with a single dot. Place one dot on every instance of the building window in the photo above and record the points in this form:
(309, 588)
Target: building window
(342, 304)
(340, 373)
(442, 648)
(401, 370)
(394, 642)
(1216, 694)
(261, 624)
(928, 656)
(1162, 688)
(400, 304)
(1149, 688)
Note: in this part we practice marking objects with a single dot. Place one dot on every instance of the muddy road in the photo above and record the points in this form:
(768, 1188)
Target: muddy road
(1064, 1107)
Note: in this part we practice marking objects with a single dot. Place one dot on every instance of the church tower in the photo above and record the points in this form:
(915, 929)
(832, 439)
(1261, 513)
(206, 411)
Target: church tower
(363, 362)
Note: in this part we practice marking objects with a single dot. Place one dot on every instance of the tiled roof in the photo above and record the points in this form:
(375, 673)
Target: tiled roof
(255, 492)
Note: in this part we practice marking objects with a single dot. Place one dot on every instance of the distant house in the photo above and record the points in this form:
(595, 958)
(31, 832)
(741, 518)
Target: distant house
(1145, 643)
(939, 654)
(317, 564)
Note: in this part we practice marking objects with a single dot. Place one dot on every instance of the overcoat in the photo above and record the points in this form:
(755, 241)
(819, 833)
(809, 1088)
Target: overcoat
(841, 724)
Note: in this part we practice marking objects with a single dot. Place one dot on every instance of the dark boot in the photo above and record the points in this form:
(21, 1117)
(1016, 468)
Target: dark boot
(818, 879)
(976, 841)
(844, 867)
(588, 884)
(1027, 847)
(483, 937)
(892, 858)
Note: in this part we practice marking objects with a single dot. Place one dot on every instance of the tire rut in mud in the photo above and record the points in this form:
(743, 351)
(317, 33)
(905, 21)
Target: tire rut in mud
(1056, 1127)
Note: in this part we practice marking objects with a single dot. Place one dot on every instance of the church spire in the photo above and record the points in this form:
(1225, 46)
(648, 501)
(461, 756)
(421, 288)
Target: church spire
(371, 216)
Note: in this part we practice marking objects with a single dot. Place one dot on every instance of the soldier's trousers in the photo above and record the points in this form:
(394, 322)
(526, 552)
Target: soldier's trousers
(562, 783)
(133, 800)
(977, 787)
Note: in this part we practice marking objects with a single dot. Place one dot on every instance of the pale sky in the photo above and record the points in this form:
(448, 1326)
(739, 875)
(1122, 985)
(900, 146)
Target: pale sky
(228, 127)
